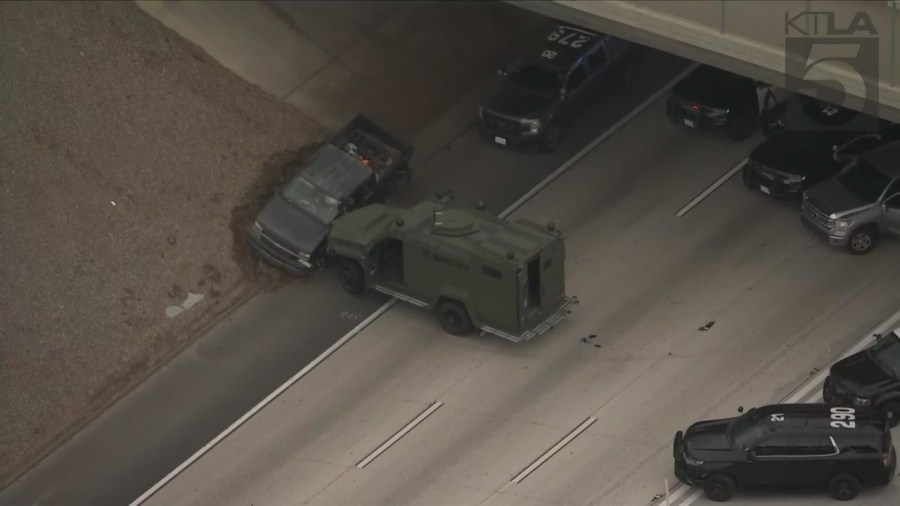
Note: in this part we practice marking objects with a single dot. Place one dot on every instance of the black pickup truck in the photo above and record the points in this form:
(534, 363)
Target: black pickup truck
(359, 165)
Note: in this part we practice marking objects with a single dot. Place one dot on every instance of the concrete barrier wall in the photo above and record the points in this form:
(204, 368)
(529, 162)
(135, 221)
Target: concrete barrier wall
(746, 36)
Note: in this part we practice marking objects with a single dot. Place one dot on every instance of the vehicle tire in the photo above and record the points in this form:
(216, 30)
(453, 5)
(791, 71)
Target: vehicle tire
(351, 276)
(843, 487)
(862, 240)
(454, 318)
(719, 487)
(891, 408)
(551, 138)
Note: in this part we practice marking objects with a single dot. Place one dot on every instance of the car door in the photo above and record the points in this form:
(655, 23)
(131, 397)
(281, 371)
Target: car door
(771, 460)
(576, 88)
(891, 208)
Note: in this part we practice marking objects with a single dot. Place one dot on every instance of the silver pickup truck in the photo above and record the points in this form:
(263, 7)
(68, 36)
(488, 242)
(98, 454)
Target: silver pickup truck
(860, 204)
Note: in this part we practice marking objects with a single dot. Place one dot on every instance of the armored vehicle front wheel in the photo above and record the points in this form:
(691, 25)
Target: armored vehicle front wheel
(350, 275)
(719, 487)
(454, 318)
(843, 487)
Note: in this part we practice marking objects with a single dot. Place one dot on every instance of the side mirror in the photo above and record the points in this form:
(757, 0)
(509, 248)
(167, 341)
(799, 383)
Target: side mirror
(740, 409)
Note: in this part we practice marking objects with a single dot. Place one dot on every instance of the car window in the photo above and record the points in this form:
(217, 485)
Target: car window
(864, 180)
(311, 199)
(775, 445)
(893, 202)
(538, 78)
(886, 353)
(576, 78)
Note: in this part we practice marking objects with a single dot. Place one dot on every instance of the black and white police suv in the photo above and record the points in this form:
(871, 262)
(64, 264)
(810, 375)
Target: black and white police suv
(841, 448)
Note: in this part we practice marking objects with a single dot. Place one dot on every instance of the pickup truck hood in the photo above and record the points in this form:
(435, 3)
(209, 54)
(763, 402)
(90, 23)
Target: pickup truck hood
(791, 155)
(861, 375)
(518, 102)
(831, 197)
(298, 229)
(707, 436)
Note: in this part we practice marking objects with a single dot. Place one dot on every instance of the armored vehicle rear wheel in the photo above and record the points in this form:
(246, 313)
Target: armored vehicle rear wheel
(454, 318)
(350, 275)
(719, 487)
(862, 240)
(843, 487)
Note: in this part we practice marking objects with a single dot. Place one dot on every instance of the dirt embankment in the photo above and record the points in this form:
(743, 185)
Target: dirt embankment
(129, 164)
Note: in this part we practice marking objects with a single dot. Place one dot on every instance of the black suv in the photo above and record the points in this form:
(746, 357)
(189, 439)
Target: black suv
(542, 91)
(808, 141)
(712, 99)
(787, 445)
(870, 378)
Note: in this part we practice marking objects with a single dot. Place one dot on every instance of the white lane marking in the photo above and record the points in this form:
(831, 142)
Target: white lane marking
(396, 437)
(509, 210)
(691, 498)
(679, 490)
(263, 403)
(711, 188)
(552, 451)
(605, 135)
(810, 387)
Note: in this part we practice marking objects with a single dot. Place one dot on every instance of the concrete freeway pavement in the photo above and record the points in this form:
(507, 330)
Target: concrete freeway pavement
(683, 316)
(245, 357)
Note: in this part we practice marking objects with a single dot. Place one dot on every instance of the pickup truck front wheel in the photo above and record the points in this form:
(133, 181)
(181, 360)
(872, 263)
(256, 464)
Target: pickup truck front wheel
(351, 276)
(862, 240)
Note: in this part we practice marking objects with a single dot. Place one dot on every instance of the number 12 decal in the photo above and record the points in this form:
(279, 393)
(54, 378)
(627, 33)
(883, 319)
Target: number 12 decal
(842, 417)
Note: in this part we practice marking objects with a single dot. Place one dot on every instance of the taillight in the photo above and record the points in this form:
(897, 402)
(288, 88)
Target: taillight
(695, 107)
(886, 458)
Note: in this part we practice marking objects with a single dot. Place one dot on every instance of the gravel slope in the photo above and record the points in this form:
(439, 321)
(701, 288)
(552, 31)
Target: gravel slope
(123, 152)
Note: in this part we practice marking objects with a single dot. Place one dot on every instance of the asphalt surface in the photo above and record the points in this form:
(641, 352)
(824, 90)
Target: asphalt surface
(681, 319)
(245, 357)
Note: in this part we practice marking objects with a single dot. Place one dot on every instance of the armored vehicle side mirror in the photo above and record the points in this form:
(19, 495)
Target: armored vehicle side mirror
(740, 409)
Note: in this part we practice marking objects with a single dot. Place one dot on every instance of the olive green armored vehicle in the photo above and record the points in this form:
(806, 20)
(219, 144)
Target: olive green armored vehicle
(476, 270)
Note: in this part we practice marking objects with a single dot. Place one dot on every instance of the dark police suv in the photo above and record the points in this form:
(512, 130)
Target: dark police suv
(870, 378)
(808, 142)
(841, 448)
(712, 99)
(546, 88)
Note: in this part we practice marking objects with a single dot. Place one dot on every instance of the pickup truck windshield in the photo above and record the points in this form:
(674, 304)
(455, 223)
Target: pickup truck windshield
(535, 77)
(864, 180)
(311, 199)
(887, 354)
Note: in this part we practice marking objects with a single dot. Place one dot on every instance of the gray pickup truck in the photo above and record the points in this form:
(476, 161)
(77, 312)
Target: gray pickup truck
(860, 204)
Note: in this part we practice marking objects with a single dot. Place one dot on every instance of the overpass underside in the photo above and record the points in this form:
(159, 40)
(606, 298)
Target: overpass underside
(801, 45)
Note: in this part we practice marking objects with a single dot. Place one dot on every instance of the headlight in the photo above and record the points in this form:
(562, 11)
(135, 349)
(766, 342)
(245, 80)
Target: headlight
(859, 401)
(716, 113)
(795, 179)
(690, 461)
(533, 125)
(842, 223)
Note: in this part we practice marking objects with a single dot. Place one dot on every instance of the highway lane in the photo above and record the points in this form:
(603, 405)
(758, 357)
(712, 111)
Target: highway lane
(775, 302)
(245, 357)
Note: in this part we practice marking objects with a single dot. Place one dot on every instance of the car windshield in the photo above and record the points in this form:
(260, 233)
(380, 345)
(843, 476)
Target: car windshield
(864, 180)
(311, 199)
(538, 78)
(742, 430)
(886, 353)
